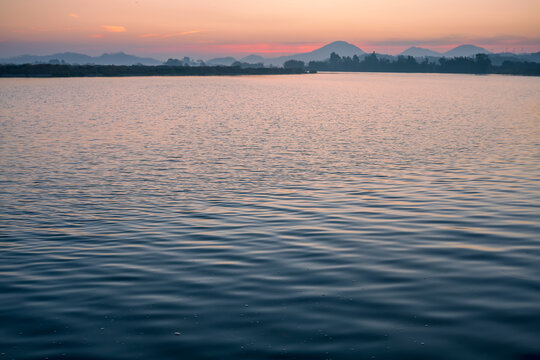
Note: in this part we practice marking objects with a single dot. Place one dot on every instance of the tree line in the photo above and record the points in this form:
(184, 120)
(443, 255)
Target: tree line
(63, 70)
(480, 64)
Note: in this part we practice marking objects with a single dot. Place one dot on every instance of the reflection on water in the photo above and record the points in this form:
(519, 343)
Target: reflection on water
(341, 216)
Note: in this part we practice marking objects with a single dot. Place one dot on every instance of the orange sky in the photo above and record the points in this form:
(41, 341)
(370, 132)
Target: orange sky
(205, 28)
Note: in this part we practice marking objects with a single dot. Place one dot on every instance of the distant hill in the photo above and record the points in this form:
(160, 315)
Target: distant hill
(466, 50)
(119, 58)
(499, 58)
(341, 48)
(534, 57)
(472, 50)
(252, 59)
(461, 50)
(68, 57)
(224, 61)
(420, 52)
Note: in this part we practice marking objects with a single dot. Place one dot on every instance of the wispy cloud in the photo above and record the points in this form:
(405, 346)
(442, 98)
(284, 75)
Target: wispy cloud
(75, 16)
(96, 36)
(114, 28)
(165, 36)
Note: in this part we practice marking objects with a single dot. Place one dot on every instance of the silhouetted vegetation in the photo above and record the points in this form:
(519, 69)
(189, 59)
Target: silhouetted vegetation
(186, 61)
(244, 65)
(519, 68)
(480, 64)
(53, 70)
(294, 64)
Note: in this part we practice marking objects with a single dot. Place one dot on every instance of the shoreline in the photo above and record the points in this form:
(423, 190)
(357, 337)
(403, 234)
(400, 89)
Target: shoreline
(46, 71)
(60, 71)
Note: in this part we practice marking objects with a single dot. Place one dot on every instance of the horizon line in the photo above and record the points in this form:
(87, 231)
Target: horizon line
(267, 51)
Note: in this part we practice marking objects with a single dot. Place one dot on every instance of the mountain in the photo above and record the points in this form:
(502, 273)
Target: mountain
(420, 52)
(252, 59)
(121, 58)
(224, 61)
(470, 50)
(68, 57)
(499, 58)
(342, 48)
(466, 50)
(533, 57)
(75, 58)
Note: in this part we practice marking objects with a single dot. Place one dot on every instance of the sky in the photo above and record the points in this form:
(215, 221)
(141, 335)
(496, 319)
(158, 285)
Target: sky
(209, 28)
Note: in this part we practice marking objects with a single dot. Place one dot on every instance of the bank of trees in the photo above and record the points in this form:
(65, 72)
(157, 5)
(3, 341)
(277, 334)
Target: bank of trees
(294, 64)
(52, 70)
(480, 64)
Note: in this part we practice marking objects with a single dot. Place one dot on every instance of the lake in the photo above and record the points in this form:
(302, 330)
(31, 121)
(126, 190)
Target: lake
(325, 216)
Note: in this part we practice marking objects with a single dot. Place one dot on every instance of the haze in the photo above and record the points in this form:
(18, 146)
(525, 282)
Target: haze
(204, 28)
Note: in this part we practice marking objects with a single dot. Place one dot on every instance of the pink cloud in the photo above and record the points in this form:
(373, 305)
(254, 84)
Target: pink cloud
(114, 28)
(74, 15)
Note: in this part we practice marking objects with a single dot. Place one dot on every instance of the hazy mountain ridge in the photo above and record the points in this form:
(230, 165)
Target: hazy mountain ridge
(119, 58)
(341, 48)
(224, 61)
(461, 50)
(420, 52)
(466, 50)
(253, 59)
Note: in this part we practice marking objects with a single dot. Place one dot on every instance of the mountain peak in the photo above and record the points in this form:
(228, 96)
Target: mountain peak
(342, 46)
(466, 50)
(252, 59)
(468, 46)
(419, 52)
(339, 43)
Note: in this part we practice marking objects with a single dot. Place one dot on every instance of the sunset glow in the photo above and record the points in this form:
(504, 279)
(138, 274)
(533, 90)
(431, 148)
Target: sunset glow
(113, 28)
(168, 27)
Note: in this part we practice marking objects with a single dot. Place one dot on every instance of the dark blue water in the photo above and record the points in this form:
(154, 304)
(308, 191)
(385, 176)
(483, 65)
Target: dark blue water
(329, 216)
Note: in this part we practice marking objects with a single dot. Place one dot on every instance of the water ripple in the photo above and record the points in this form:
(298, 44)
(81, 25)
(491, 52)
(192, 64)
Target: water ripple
(336, 216)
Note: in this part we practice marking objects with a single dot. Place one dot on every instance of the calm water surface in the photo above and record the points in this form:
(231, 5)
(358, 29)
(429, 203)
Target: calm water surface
(328, 216)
